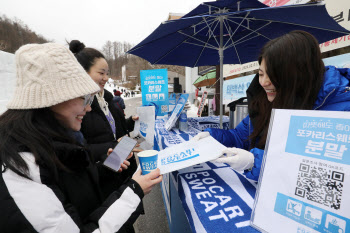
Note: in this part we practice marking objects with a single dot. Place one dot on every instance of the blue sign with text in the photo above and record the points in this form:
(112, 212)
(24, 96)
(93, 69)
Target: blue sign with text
(309, 215)
(319, 137)
(154, 87)
(236, 88)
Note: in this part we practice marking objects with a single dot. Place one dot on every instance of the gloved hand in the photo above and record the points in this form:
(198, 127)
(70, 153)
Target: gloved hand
(238, 159)
(200, 136)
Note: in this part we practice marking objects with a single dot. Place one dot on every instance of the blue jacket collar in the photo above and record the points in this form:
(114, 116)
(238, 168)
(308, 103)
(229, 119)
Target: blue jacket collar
(335, 83)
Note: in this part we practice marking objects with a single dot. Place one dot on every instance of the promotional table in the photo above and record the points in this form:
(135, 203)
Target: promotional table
(208, 197)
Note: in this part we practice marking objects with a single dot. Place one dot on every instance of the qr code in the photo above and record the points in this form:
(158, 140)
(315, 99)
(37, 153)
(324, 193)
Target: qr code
(321, 185)
(164, 108)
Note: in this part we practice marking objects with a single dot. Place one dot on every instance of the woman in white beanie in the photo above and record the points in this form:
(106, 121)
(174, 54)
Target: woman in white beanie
(48, 182)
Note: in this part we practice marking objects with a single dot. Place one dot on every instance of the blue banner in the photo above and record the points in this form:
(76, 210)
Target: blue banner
(309, 215)
(172, 103)
(218, 200)
(236, 88)
(341, 61)
(154, 87)
(319, 137)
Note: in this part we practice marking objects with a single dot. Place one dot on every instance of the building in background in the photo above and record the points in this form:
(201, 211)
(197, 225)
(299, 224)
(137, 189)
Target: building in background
(123, 73)
(173, 16)
(177, 82)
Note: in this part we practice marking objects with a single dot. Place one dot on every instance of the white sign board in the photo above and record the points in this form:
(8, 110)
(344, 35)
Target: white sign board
(273, 3)
(188, 154)
(304, 183)
(340, 11)
(229, 70)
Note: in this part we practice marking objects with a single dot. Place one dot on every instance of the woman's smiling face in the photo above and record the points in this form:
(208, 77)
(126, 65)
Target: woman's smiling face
(99, 72)
(265, 82)
(70, 113)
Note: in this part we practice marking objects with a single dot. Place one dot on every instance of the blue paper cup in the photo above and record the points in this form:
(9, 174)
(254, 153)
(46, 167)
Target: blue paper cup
(148, 160)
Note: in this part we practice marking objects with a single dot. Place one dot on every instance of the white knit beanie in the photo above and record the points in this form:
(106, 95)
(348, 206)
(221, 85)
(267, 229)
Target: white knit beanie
(48, 74)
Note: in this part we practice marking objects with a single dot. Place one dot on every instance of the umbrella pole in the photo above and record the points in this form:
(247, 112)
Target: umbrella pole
(221, 55)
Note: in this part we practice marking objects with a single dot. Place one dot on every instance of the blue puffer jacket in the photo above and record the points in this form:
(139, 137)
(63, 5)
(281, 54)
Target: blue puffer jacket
(334, 95)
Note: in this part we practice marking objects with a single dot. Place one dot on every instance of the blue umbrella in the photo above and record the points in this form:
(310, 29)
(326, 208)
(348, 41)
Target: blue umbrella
(236, 37)
(208, 8)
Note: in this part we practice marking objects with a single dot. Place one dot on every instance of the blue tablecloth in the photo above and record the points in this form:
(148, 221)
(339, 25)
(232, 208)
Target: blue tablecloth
(215, 198)
(202, 123)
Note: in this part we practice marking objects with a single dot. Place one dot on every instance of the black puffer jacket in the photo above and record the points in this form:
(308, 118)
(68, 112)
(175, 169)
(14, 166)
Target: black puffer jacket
(70, 203)
(99, 138)
(97, 130)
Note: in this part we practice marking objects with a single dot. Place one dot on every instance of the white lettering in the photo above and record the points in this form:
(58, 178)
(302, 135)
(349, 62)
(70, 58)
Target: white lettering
(203, 173)
(196, 184)
(221, 189)
(190, 176)
(209, 205)
(198, 195)
(235, 211)
(208, 181)
(223, 199)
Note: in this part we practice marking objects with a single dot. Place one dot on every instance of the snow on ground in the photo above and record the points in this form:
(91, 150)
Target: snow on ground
(112, 87)
(7, 78)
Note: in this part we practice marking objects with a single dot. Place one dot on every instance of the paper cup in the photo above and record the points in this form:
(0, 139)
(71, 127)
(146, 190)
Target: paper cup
(148, 160)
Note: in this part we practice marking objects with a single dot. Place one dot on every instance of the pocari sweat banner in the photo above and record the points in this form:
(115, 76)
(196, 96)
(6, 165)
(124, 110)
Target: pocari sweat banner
(154, 87)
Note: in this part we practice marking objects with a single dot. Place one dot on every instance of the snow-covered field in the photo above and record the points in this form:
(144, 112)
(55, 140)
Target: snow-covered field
(112, 87)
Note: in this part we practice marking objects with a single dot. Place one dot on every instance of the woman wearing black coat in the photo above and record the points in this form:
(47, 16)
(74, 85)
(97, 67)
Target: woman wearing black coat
(105, 124)
(48, 182)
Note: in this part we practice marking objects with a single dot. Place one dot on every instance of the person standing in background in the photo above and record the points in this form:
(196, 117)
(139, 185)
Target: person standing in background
(105, 124)
(118, 101)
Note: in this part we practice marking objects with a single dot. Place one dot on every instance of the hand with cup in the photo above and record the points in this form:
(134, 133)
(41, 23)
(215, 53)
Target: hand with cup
(148, 181)
(149, 174)
(148, 160)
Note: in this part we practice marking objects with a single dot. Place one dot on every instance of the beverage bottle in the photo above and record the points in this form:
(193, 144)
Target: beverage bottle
(177, 123)
(183, 126)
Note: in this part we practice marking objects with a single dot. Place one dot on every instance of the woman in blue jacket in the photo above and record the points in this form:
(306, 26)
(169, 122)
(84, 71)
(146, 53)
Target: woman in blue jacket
(292, 75)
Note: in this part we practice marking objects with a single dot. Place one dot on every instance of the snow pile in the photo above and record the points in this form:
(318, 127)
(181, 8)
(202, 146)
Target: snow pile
(110, 87)
(7, 78)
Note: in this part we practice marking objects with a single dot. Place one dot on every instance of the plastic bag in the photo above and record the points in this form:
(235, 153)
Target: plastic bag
(144, 127)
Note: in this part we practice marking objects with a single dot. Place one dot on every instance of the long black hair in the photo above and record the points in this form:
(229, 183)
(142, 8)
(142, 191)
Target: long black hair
(85, 56)
(34, 131)
(295, 67)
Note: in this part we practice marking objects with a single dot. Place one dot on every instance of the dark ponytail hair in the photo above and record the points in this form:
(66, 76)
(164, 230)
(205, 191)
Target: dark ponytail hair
(295, 67)
(32, 131)
(85, 56)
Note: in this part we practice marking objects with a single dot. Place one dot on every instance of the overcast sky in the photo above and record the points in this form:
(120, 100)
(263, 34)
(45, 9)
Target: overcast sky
(94, 21)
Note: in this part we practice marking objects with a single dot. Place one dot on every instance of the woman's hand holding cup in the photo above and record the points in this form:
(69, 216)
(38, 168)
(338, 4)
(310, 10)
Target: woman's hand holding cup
(147, 181)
